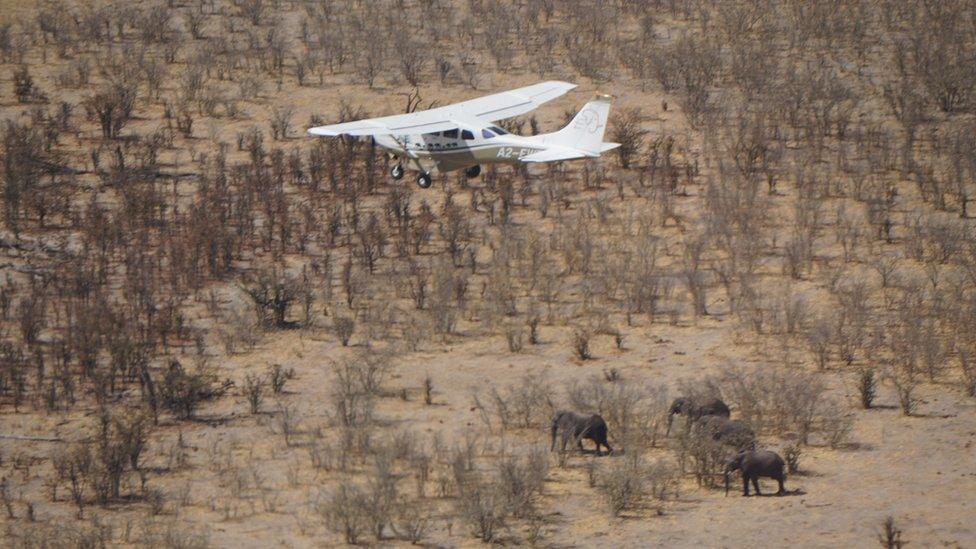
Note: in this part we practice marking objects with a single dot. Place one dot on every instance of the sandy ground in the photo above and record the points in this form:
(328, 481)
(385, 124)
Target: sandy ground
(917, 469)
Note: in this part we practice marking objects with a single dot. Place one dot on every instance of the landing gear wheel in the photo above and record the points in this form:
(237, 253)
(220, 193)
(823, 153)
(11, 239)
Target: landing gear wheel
(423, 180)
(473, 171)
(396, 172)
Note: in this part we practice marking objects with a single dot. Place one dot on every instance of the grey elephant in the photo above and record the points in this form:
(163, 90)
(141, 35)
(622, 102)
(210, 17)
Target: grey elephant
(571, 425)
(755, 464)
(695, 408)
(730, 432)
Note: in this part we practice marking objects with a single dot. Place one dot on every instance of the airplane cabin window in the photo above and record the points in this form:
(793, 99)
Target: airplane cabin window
(451, 133)
(487, 134)
(465, 134)
(497, 130)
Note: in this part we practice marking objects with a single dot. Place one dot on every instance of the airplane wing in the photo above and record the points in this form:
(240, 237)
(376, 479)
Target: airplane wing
(513, 102)
(474, 112)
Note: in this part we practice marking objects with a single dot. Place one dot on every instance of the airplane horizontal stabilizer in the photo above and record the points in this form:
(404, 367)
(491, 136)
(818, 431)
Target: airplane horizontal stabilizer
(551, 155)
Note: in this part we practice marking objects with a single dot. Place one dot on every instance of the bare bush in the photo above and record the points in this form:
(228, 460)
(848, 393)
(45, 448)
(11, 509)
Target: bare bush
(272, 294)
(182, 391)
(254, 391)
(481, 506)
(867, 387)
(777, 400)
(280, 122)
(623, 483)
(112, 108)
(345, 512)
(278, 376)
(625, 128)
(528, 402)
(344, 327)
(581, 343)
(905, 381)
(889, 536)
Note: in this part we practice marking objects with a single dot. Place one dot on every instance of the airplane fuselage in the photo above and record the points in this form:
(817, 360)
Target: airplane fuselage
(458, 149)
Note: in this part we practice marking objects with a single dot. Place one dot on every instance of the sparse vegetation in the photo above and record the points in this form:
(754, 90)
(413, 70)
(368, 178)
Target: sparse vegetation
(788, 221)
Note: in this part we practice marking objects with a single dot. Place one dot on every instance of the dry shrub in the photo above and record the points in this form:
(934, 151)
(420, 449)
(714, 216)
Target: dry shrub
(889, 536)
(625, 128)
(777, 400)
(182, 391)
(581, 343)
(513, 336)
(481, 505)
(254, 391)
(867, 386)
(905, 381)
(663, 478)
(345, 511)
(527, 402)
(381, 492)
(279, 376)
(836, 427)
(791, 455)
(272, 293)
(239, 327)
(626, 482)
(412, 521)
(344, 327)
(706, 455)
(967, 367)
(520, 478)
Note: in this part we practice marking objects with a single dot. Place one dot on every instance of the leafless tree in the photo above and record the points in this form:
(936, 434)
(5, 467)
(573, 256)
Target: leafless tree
(625, 129)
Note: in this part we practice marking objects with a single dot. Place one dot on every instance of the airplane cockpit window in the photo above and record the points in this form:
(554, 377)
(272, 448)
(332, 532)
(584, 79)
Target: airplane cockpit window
(487, 134)
(497, 130)
(465, 134)
(451, 134)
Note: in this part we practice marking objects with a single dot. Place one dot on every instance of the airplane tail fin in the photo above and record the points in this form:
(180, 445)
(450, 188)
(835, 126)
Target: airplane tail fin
(585, 131)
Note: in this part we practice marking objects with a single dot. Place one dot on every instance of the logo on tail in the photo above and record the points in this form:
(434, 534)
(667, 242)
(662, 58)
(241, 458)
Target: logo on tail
(587, 120)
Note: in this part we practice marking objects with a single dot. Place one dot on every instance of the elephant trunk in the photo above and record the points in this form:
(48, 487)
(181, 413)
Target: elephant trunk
(726, 483)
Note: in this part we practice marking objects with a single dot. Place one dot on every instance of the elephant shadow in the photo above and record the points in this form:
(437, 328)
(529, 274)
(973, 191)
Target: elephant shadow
(786, 493)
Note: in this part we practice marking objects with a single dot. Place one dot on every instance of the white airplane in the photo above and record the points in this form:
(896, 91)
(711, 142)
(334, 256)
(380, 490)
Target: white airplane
(462, 136)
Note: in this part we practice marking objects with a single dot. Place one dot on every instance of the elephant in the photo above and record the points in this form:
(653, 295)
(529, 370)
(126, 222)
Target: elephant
(755, 464)
(694, 408)
(730, 432)
(578, 427)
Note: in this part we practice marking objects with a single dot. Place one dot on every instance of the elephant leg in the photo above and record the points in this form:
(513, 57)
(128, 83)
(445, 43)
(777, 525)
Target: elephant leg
(609, 449)
(563, 442)
(755, 484)
(579, 444)
(782, 490)
(745, 486)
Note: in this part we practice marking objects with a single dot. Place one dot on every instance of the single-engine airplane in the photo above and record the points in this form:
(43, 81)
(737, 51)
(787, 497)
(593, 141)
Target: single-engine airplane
(462, 136)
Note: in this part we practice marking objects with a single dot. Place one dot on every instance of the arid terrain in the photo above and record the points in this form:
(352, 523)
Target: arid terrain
(216, 330)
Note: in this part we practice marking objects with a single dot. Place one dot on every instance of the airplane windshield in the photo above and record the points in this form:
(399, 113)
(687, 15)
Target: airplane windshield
(497, 130)
(451, 134)
(487, 134)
